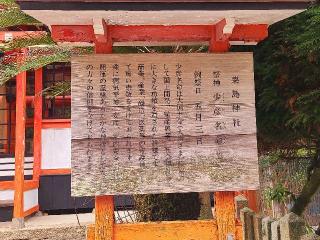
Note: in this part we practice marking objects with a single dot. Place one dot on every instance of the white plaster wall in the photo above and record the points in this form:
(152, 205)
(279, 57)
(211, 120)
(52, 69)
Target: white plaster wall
(6, 195)
(56, 148)
(30, 199)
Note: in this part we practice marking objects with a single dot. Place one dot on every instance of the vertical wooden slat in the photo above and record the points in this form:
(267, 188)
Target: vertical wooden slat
(37, 124)
(20, 144)
(104, 220)
(104, 205)
(225, 214)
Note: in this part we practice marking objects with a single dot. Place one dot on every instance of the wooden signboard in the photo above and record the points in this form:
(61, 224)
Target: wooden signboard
(161, 123)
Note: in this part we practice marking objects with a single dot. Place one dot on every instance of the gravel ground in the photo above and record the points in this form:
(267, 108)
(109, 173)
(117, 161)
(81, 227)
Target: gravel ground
(59, 227)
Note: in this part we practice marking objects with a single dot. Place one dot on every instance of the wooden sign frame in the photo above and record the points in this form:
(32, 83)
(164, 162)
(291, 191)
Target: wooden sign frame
(225, 225)
(120, 146)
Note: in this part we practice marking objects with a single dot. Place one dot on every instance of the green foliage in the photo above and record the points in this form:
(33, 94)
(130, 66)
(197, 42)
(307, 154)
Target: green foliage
(4, 4)
(269, 159)
(287, 68)
(278, 193)
(39, 57)
(25, 42)
(60, 88)
(167, 207)
(13, 16)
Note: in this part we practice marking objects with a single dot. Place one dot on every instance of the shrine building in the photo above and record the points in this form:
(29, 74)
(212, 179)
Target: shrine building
(35, 131)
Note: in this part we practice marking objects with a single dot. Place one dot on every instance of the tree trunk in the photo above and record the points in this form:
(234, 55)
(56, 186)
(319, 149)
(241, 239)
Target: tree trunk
(312, 185)
(309, 189)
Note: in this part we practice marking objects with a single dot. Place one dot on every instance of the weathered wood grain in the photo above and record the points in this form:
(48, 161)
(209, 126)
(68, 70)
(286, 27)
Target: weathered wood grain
(104, 218)
(224, 213)
(166, 130)
(229, 64)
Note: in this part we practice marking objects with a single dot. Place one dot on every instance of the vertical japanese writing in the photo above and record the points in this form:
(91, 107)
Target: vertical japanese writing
(141, 107)
(218, 95)
(220, 141)
(145, 124)
(218, 100)
(116, 92)
(198, 105)
(115, 118)
(154, 113)
(89, 100)
(235, 95)
(129, 122)
(167, 116)
(102, 121)
(180, 117)
(167, 100)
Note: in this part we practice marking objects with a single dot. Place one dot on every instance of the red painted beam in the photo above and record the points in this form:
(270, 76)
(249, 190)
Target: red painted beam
(249, 32)
(159, 33)
(10, 185)
(56, 123)
(73, 33)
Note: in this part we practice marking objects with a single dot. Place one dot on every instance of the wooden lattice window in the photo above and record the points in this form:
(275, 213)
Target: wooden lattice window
(58, 107)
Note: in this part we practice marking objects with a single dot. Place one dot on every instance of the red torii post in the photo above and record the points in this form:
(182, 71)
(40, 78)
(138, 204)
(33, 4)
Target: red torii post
(218, 43)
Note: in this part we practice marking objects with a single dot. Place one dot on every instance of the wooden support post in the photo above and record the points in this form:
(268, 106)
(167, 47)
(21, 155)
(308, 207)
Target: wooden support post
(104, 220)
(104, 205)
(219, 42)
(224, 201)
(20, 147)
(103, 43)
(225, 215)
(37, 124)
